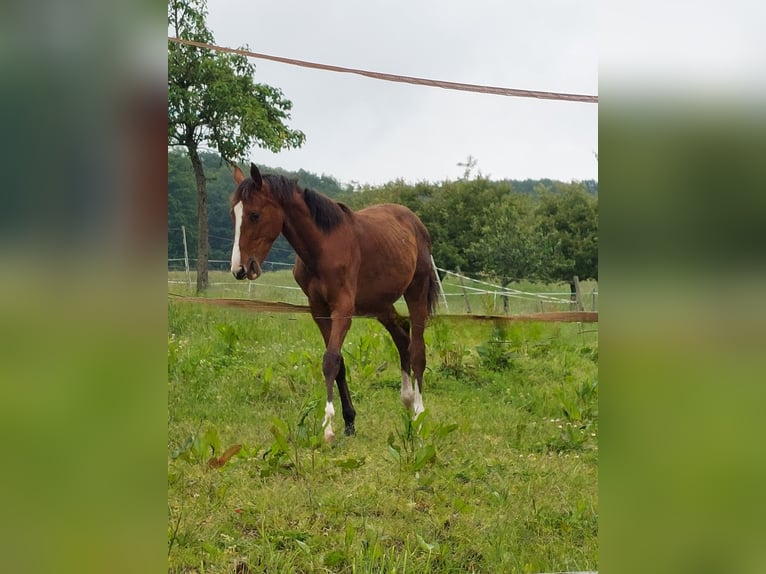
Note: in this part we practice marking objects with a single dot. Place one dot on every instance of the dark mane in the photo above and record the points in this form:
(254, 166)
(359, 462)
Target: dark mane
(325, 212)
(243, 192)
(281, 187)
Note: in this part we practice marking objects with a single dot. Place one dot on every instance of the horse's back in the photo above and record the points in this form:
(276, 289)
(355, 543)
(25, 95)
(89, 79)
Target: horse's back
(394, 246)
(391, 232)
(391, 218)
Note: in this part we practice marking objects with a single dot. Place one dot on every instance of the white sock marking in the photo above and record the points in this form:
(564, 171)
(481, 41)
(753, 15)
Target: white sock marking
(419, 408)
(235, 257)
(329, 413)
(406, 393)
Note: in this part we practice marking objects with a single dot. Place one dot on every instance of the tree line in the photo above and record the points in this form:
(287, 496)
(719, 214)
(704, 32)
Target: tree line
(504, 230)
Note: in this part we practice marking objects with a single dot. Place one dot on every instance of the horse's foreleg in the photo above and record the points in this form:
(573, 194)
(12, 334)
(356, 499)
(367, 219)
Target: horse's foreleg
(334, 369)
(349, 413)
(333, 363)
(330, 367)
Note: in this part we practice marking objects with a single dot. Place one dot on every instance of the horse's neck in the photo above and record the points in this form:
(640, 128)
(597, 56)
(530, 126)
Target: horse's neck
(300, 230)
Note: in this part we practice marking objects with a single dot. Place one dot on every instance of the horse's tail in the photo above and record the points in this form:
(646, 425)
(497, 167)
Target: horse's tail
(434, 289)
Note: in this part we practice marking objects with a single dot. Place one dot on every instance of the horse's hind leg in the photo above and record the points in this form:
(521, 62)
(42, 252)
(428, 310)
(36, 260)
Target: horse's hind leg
(399, 329)
(418, 316)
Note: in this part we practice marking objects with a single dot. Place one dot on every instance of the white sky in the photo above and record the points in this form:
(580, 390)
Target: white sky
(698, 51)
(372, 131)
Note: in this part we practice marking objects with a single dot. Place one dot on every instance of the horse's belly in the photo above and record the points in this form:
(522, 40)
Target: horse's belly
(370, 304)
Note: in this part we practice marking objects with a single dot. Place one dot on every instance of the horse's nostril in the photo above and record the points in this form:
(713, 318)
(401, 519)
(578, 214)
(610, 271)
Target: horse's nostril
(240, 273)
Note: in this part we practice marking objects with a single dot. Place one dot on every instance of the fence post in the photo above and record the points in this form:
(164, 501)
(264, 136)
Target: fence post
(465, 294)
(439, 281)
(578, 295)
(186, 257)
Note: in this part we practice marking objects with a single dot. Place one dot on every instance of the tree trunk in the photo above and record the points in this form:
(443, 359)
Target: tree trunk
(203, 248)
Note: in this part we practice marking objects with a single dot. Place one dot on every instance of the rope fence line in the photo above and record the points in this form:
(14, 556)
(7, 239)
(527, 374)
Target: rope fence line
(548, 298)
(475, 291)
(497, 289)
(508, 291)
(513, 92)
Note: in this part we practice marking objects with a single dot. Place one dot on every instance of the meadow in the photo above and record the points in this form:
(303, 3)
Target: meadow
(498, 475)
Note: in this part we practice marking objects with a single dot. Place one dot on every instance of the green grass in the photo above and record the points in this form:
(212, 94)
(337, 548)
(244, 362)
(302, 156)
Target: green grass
(499, 475)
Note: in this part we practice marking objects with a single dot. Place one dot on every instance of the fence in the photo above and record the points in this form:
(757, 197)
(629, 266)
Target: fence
(461, 294)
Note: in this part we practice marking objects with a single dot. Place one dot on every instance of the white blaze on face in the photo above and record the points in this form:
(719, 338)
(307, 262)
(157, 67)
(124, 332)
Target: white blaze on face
(235, 258)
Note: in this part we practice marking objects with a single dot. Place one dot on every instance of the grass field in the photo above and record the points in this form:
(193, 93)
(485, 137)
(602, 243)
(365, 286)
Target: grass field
(498, 475)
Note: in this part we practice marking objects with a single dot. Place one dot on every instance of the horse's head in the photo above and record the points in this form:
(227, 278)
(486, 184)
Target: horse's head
(257, 219)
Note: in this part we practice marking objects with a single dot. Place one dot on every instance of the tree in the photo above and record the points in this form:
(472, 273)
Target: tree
(454, 215)
(181, 203)
(213, 101)
(549, 235)
(508, 245)
(469, 164)
(568, 219)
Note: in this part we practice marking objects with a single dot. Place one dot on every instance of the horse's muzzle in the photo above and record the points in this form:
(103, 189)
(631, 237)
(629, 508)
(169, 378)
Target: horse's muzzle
(252, 271)
(240, 273)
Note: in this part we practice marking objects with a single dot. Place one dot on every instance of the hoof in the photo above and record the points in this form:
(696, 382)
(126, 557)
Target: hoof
(350, 430)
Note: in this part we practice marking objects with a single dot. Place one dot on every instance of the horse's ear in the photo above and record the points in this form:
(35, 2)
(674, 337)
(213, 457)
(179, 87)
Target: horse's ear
(239, 177)
(255, 175)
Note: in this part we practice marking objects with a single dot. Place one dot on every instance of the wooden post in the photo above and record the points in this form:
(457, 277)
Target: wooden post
(465, 294)
(578, 295)
(186, 258)
(593, 299)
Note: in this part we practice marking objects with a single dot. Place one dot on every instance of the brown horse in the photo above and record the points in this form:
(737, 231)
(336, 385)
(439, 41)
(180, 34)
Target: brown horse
(348, 263)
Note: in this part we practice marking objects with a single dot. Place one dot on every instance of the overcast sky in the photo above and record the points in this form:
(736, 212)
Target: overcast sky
(371, 131)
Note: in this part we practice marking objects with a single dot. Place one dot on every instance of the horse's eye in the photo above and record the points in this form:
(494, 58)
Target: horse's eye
(254, 217)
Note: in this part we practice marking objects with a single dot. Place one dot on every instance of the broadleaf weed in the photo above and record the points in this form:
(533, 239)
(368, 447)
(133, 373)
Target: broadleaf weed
(413, 445)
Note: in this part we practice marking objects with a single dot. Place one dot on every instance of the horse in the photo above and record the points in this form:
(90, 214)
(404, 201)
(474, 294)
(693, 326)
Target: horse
(348, 263)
